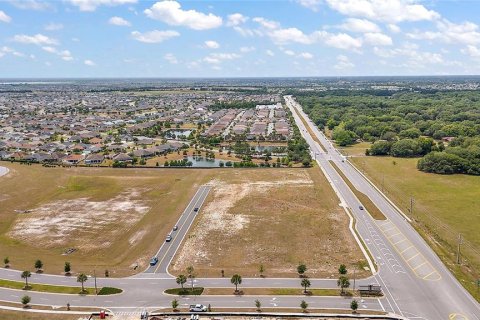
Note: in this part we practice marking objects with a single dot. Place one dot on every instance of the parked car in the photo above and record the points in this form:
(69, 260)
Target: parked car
(169, 238)
(175, 228)
(198, 308)
(153, 261)
(360, 207)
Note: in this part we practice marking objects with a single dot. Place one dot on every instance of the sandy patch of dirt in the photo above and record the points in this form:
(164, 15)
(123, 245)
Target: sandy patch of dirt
(136, 237)
(80, 222)
(219, 218)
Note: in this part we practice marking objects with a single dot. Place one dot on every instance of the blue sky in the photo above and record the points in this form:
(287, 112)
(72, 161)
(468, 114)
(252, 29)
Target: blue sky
(135, 38)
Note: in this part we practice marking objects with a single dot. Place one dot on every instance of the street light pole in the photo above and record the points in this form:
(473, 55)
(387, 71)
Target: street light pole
(458, 248)
(95, 277)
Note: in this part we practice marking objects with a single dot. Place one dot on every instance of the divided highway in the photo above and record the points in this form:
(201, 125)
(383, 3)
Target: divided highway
(416, 283)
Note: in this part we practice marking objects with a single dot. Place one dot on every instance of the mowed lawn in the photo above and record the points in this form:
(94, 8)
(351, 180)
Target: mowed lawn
(115, 218)
(277, 218)
(444, 207)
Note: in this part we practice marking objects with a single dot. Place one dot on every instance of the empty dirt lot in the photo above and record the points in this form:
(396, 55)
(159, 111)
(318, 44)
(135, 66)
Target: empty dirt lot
(277, 218)
(114, 218)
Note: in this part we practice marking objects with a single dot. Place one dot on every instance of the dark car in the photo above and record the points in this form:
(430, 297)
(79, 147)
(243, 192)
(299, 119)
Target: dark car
(360, 207)
(196, 209)
(153, 261)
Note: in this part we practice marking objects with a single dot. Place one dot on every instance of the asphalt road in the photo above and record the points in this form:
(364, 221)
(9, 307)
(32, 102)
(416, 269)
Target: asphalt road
(416, 283)
(3, 171)
(168, 249)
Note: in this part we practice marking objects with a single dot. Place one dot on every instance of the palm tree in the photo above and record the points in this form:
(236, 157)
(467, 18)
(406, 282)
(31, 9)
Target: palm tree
(181, 279)
(174, 304)
(82, 277)
(26, 275)
(305, 283)
(304, 306)
(67, 268)
(261, 270)
(343, 282)
(25, 301)
(258, 305)
(236, 280)
(38, 265)
(354, 305)
(191, 275)
(301, 269)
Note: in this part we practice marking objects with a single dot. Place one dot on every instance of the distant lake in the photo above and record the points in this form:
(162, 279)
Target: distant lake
(177, 133)
(201, 162)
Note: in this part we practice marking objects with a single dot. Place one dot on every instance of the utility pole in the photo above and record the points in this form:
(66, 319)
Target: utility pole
(354, 270)
(458, 248)
(95, 277)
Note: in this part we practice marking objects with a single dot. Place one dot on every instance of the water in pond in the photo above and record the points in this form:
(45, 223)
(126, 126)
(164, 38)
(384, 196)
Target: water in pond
(177, 133)
(203, 162)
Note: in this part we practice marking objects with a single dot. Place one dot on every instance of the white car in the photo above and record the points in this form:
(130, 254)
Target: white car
(198, 308)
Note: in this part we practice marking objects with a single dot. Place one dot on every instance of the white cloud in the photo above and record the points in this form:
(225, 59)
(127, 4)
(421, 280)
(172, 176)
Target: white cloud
(384, 10)
(63, 54)
(394, 28)
(267, 24)
(282, 36)
(342, 41)
(4, 17)
(472, 51)
(31, 4)
(310, 4)
(89, 63)
(289, 52)
(216, 58)
(52, 26)
(91, 5)
(270, 53)
(170, 58)
(247, 49)
(464, 33)
(359, 25)
(377, 39)
(343, 62)
(171, 13)
(7, 50)
(119, 21)
(305, 55)
(212, 44)
(38, 39)
(155, 36)
(236, 19)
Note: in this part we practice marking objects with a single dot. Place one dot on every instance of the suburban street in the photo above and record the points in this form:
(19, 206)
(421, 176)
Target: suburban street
(416, 283)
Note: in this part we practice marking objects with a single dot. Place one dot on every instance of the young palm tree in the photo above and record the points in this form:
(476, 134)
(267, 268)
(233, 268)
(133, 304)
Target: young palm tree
(38, 265)
(236, 280)
(305, 284)
(26, 275)
(342, 269)
(82, 277)
(343, 283)
(181, 279)
(304, 305)
(258, 305)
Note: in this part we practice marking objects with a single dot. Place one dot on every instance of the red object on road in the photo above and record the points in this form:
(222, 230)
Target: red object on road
(102, 314)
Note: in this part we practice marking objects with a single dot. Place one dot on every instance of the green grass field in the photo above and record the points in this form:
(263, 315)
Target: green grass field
(444, 207)
(56, 289)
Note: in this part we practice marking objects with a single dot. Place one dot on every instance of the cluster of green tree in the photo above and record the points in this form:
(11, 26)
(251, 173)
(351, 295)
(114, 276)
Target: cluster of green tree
(298, 149)
(245, 164)
(405, 148)
(178, 163)
(461, 156)
(405, 124)
(400, 115)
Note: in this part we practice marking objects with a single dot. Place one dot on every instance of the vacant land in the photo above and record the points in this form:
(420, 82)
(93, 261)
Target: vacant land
(277, 218)
(113, 218)
(444, 207)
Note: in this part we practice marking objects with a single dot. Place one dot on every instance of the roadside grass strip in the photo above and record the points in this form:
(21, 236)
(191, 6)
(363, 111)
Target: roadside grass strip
(370, 207)
(20, 285)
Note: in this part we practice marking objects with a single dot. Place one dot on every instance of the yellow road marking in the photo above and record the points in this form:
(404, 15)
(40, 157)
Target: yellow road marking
(457, 316)
(418, 253)
(393, 235)
(401, 252)
(420, 265)
(395, 244)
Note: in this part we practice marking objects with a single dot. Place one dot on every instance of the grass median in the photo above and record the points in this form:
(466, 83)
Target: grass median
(363, 198)
(56, 289)
(258, 291)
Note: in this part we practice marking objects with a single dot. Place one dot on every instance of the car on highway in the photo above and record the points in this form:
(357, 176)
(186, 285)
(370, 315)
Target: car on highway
(175, 228)
(360, 207)
(169, 238)
(153, 261)
(196, 209)
(197, 308)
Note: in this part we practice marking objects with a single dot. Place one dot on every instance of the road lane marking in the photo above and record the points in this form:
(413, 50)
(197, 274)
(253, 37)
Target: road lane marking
(415, 255)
